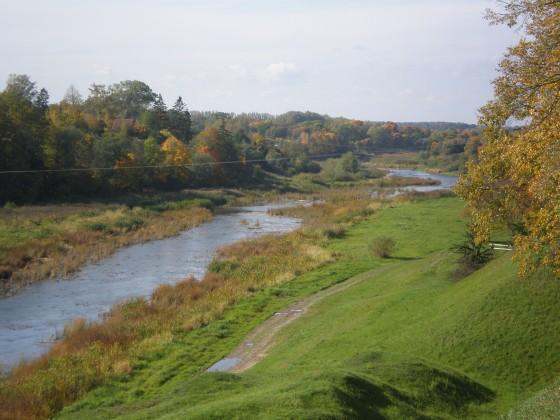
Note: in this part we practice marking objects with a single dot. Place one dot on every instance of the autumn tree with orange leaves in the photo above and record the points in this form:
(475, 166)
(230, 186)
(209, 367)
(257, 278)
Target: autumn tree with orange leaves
(177, 157)
(516, 180)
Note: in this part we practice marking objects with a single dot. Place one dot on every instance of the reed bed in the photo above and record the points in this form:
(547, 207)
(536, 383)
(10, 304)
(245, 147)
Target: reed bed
(92, 353)
(404, 181)
(36, 246)
(332, 211)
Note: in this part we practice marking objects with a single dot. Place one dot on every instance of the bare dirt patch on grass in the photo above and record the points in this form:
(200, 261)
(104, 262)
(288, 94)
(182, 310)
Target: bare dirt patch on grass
(256, 345)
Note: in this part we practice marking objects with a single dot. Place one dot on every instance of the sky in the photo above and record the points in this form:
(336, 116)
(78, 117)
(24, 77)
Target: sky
(399, 60)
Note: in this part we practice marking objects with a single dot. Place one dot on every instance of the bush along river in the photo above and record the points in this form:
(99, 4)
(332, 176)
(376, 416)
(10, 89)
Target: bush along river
(32, 319)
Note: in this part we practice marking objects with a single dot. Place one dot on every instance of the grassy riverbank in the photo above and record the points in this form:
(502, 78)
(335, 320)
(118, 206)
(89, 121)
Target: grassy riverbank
(90, 355)
(415, 160)
(44, 241)
(38, 242)
(405, 341)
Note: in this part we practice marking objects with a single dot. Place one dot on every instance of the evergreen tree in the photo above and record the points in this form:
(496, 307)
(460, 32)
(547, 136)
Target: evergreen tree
(180, 121)
(42, 100)
(160, 111)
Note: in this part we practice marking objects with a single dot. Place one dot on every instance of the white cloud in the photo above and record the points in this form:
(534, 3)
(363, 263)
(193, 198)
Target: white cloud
(279, 72)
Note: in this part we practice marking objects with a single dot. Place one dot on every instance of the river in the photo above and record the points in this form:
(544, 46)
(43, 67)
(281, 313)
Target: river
(446, 182)
(30, 320)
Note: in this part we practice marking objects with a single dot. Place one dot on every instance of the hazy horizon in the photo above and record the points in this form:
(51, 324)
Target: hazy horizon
(426, 60)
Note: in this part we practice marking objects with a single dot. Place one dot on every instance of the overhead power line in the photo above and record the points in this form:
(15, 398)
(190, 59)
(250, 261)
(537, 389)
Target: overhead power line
(185, 165)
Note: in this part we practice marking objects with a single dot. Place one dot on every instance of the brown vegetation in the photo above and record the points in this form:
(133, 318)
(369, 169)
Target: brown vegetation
(405, 181)
(57, 242)
(382, 247)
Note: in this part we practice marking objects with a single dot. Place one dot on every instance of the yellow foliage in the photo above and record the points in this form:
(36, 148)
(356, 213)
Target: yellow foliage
(516, 181)
(176, 152)
(257, 139)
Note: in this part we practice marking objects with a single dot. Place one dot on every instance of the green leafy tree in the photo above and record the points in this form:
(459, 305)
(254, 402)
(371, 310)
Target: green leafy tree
(130, 98)
(99, 102)
(23, 127)
(218, 144)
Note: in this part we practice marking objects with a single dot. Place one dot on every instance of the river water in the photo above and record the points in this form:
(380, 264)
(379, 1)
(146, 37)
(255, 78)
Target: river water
(446, 182)
(30, 320)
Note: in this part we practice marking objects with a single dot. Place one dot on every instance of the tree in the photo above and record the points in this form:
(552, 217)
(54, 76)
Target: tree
(23, 128)
(218, 144)
(67, 147)
(379, 136)
(180, 120)
(21, 86)
(516, 179)
(159, 110)
(130, 98)
(98, 102)
(128, 176)
(202, 169)
(42, 101)
(176, 154)
(348, 163)
(73, 96)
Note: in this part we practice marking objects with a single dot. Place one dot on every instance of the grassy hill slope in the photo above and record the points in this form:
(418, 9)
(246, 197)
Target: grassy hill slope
(405, 342)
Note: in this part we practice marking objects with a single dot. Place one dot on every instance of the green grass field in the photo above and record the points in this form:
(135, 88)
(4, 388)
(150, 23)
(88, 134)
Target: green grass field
(404, 342)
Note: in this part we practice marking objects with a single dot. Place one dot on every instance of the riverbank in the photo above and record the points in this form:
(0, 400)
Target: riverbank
(94, 353)
(401, 340)
(40, 242)
(54, 241)
(125, 340)
(32, 320)
(148, 356)
(413, 160)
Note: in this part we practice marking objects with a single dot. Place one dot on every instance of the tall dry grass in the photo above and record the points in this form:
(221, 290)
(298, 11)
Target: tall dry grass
(71, 241)
(333, 211)
(404, 181)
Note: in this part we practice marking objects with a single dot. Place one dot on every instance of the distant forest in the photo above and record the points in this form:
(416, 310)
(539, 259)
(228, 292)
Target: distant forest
(124, 137)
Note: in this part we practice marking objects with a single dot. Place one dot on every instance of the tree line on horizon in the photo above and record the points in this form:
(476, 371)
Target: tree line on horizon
(139, 142)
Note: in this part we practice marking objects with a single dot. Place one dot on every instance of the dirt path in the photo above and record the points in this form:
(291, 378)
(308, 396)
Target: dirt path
(256, 345)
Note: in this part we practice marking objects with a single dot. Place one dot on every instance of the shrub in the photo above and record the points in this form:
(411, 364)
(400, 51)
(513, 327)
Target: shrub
(382, 247)
(97, 227)
(223, 266)
(472, 253)
(333, 232)
(130, 223)
(10, 205)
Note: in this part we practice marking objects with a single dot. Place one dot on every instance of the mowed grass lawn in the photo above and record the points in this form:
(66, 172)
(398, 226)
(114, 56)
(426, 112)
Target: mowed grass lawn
(405, 342)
